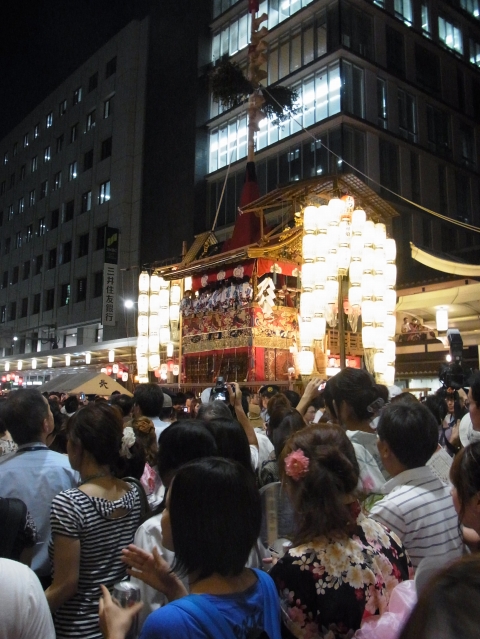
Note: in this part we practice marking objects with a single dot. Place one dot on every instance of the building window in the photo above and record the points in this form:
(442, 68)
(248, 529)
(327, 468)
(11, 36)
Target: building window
(1, 218)
(59, 143)
(77, 96)
(43, 189)
(403, 11)
(98, 284)
(38, 264)
(450, 35)
(47, 154)
(93, 82)
(471, 6)
(111, 67)
(464, 201)
(66, 252)
(7, 246)
(425, 16)
(10, 212)
(106, 150)
(12, 181)
(12, 316)
(83, 245)
(18, 239)
(407, 115)
(25, 141)
(395, 52)
(382, 114)
(15, 149)
(88, 160)
(49, 120)
(42, 227)
(34, 164)
(467, 143)
(74, 132)
(64, 294)
(91, 120)
(5, 279)
(49, 299)
(357, 32)
(104, 194)
(36, 130)
(108, 107)
(438, 131)
(72, 171)
(353, 89)
(2, 187)
(21, 205)
(55, 219)
(427, 69)
(3, 314)
(57, 181)
(474, 51)
(388, 166)
(100, 243)
(15, 275)
(36, 304)
(26, 270)
(86, 202)
(5, 157)
(68, 209)
(24, 308)
(62, 107)
(52, 258)
(81, 289)
(31, 197)
(22, 172)
(29, 233)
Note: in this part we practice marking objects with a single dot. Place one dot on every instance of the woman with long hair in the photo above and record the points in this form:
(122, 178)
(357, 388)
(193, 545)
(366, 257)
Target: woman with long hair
(342, 566)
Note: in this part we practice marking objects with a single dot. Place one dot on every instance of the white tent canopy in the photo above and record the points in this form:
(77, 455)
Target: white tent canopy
(90, 383)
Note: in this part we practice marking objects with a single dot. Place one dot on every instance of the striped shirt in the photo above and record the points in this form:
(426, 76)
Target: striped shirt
(102, 536)
(419, 509)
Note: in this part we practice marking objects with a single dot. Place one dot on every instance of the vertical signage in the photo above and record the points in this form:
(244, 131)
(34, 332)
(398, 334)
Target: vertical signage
(110, 277)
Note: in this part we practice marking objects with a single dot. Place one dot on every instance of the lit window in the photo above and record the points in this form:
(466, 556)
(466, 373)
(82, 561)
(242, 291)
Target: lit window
(407, 115)
(425, 20)
(43, 189)
(472, 6)
(450, 35)
(72, 171)
(21, 205)
(15, 148)
(49, 120)
(47, 154)
(62, 107)
(77, 95)
(25, 140)
(18, 240)
(10, 212)
(34, 164)
(403, 11)
(28, 238)
(104, 194)
(42, 227)
(22, 172)
(86, 202)
(90, 120)
(474, 49)
(73, 132)
(57, 180)
(36, 131)
(107, 108)
(31, 197)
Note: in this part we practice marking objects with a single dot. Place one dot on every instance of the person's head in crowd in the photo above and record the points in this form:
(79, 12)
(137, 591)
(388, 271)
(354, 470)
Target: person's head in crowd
(54, 397)
(310, 414)
(189, 396)
(437, 407)
(116, 392)
(319, 469)
(276, 402)
(352, 398)
(407, 436)
(194, 407)
(266, 393)
(465, 478)
(383, 392)
(147, 400)
(133, 454)
(232, 442)
(217, 409)
(95, 435)
(145, 432)
(293, 397)
(180, 443)
(124, 402)
(27, 416)
(71, 405)
(167, 410)
(447, 607)
(473, 400)
(291, 423)
(279, 407)
(57, 439)
(98, 399)
(210, 532)
(179, 401)
(404, 397)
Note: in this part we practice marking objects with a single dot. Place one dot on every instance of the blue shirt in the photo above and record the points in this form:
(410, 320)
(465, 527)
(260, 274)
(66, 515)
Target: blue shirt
(36, 477)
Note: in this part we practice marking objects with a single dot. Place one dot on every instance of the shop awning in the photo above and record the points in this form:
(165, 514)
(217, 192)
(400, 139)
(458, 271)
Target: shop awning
(441, 264)
(89, 383)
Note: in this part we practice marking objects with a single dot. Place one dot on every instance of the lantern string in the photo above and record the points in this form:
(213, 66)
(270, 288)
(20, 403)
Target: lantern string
(465, 225)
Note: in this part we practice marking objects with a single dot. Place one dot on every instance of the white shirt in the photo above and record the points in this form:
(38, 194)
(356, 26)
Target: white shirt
(24, 611)
(419, 509)
(159, 426)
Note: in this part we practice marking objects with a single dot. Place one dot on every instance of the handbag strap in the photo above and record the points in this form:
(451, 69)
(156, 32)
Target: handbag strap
(206, 615)
(145, 510)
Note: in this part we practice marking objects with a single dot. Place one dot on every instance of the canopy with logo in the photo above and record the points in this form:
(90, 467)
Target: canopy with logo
(90, 383)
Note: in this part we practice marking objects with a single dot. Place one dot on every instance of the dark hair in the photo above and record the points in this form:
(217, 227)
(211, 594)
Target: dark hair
(449, 606)
(276, 402)
(411, 431)
(333, 472)
(134, 465)
(354, 386)
(59, 433)
(293, 397)
(383, 392)
(23, 414)
(406, 397)
(232, 442)
(71, 404)
(215, 517)
(98, 428)
(124, 403)
(214, 410)
(149, 399)
(179, 399)
(475, 388)
(437, 406)
(291, 423)
(183, 442)
(145, 432)
(244, 404)
(465, 474)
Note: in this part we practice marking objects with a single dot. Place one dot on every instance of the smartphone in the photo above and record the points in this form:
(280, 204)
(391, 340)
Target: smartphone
(322, 386)
(82, 397)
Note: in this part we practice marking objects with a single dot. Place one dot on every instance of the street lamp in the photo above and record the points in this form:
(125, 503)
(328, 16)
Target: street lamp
(128, 303)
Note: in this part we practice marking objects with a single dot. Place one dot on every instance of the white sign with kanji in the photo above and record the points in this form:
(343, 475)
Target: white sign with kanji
(109, 306)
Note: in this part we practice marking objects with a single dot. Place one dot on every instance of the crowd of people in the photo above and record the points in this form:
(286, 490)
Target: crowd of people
(169, 493)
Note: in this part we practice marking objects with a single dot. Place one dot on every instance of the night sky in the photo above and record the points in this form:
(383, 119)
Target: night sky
(43, 41)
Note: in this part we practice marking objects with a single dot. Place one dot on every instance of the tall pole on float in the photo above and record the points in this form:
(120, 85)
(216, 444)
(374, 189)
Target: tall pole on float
(256, 59)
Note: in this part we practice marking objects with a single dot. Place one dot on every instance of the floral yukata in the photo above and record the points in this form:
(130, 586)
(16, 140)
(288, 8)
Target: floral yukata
(327, 587)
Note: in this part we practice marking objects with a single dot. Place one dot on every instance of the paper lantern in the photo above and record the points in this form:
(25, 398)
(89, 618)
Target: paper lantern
(143, 303)
(390, 273)
(442, 318)
(124, 376)
(368, 233)
(359, 218)
(368, 311)
(319, 300)
(355, 273)
(390, 325)
(331, 264)
(379, 337)
(320, 274)
(389, 375)
(154, 284)
(379, 362)
(390, 247)
(368, 258)
(164, 316)
(175, 294)
(163, 283)
(343, 258)
(306, 330)
(331, 290)
(379, 312)
(379, 261)
(368, 336)
(187, 284)
(357, 247)
(115, 369)
(7, 366)
(378, 285)
(157, 373)
(153, 361)
(355, 296)
(367, 284)
(380, 235)
(49, 363)
(163, 368)
(309, 247)
(169, 349)
(305, 362)
(88, 357)
(142, 344)
(19, 365)
(308, 276)
(164, 298)
(337, 208)
(332, 236)
(321, 247)
(323, 219)
(310, 219)
(319, 326)
(103, 370)
(307, 309)
(176, 370)
(34, 363)
(142, 365)
(170, 365)
(344, 232)
(111, 355)
(9, 377)
(4, 378)
(154, 302)
(164, 335)
(144, 282)
(174, 313)
(142, 324)
(390, 299)
(390, 351)
(109, 370)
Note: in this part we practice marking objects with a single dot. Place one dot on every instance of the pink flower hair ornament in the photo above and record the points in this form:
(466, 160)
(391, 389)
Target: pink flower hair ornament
(296, 464)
